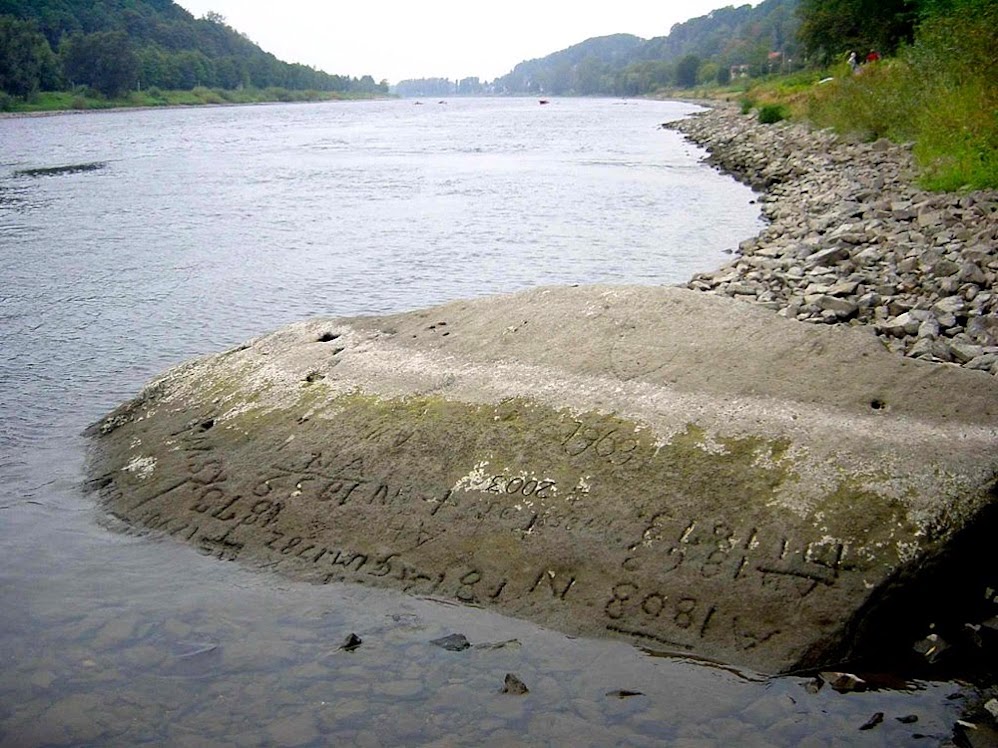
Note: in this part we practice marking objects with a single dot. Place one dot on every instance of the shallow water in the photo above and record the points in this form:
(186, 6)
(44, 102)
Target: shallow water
(181, 232)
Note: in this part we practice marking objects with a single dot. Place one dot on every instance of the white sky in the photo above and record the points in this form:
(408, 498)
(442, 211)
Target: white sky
(397, 39)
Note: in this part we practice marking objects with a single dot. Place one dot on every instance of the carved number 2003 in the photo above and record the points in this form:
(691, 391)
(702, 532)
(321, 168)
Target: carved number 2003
(531, 487)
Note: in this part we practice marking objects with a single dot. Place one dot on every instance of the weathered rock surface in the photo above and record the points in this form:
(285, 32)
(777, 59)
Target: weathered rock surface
(852, 241)
(681, 469)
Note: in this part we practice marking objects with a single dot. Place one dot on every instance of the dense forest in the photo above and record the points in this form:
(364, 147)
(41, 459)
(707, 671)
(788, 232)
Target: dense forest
(116, 46)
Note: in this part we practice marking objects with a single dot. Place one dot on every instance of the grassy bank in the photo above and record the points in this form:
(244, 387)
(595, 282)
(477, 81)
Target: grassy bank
(939, 94)
(84, 99)
(953, 124)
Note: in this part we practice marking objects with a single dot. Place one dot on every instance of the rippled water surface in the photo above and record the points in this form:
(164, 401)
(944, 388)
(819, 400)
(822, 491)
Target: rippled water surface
(192, 230)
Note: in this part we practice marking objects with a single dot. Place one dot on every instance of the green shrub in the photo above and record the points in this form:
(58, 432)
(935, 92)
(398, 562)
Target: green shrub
(879, 102)
(207, 95)
(746, 104)
(277, 94)
(957, 144)
(772, 113)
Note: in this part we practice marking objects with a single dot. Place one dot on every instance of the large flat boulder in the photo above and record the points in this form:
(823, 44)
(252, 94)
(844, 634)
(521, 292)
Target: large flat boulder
(689, 472)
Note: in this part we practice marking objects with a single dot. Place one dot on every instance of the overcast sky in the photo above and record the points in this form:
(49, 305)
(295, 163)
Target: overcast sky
(397, 39)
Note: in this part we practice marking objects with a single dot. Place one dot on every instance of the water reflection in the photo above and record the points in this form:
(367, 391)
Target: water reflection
(171, 666)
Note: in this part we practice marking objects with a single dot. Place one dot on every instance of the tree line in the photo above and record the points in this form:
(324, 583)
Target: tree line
(115, 46)
(742, 41)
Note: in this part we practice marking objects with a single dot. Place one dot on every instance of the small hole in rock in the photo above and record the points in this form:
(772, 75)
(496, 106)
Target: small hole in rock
(205, 425)
(313, 376)
(327, 337)
(338, 350)
(878, 404)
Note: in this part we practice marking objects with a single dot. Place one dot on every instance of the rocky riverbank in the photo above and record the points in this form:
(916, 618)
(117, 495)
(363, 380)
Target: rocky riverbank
(852, 240)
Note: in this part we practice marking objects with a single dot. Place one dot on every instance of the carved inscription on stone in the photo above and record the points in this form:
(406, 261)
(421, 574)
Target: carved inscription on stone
(719, 562)
(588, 525)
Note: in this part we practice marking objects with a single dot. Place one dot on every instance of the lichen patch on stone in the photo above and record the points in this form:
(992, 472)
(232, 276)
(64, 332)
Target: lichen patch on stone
(142, 467)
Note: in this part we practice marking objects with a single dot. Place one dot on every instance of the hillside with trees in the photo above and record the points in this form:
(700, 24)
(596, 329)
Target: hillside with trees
(741, 41)
(732, 41)
(470, 86)
(570, 71)
(115, 46)
(579, 69)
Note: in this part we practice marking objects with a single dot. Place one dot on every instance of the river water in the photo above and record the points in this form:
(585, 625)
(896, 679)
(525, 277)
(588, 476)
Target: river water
(183, 232)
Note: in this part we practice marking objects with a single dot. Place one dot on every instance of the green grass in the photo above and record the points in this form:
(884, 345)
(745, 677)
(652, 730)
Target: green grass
(957, 142)
(953, 124)
(938, 94)
(84, 99)
(880, 102)
(948, 111)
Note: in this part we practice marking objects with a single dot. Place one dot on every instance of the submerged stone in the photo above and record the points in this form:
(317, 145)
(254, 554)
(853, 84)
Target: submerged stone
(351, 642)
(452, 642)
(688, 472)
(513, 685)
(47, 171)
